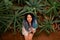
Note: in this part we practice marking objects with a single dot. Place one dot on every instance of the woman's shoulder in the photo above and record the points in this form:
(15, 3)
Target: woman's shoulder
(24, 22)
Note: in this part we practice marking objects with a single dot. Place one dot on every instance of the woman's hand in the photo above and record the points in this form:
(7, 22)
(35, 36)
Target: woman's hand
(32, 30)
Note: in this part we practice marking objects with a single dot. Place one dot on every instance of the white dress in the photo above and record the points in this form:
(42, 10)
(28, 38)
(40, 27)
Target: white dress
(25, 33)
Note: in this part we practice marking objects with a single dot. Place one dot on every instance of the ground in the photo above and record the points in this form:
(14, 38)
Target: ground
(42, 36)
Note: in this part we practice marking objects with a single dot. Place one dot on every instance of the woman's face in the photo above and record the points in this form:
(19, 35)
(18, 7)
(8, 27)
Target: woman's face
(29, 18)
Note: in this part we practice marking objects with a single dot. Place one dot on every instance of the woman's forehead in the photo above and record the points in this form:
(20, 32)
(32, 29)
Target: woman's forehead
(29, 15)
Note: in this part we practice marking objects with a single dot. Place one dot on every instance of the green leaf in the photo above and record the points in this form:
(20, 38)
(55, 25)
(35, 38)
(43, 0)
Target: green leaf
(48, 32)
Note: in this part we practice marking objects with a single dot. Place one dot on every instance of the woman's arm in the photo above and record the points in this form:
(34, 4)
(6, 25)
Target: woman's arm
(25, 25)
(35, 25)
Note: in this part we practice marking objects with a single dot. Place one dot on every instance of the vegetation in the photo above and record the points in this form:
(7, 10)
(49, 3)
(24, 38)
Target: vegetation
(12, 13)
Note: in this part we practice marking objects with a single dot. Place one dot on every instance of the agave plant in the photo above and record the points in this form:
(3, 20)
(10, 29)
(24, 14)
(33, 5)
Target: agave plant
(49, 17)
(53, 7)
(47, 25)
(35, 6)
(4, 11)
(10, 16)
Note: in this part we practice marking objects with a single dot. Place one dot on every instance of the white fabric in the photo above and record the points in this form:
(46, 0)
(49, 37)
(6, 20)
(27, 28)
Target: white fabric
(25, 33)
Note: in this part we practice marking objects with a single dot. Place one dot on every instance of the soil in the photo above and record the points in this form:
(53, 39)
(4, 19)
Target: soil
(42, 36)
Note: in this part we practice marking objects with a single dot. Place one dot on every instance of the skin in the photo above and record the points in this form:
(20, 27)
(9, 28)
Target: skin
(30, 35)
(29, 18)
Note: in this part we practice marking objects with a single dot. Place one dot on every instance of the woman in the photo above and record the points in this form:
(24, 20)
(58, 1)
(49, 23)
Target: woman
(29, 26)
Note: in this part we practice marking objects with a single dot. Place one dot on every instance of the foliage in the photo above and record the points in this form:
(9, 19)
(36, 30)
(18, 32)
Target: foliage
(11, 14)
(49, 16)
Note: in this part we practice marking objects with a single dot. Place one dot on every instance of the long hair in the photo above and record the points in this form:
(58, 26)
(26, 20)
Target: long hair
(33, 18)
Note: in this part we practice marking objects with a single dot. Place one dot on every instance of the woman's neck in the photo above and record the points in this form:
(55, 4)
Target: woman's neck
(30, 23)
